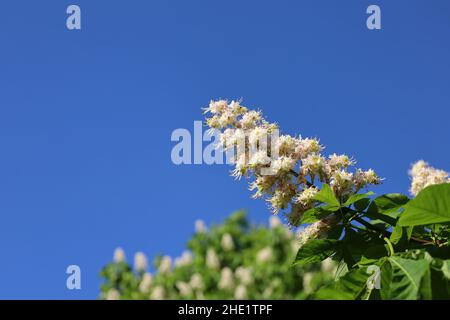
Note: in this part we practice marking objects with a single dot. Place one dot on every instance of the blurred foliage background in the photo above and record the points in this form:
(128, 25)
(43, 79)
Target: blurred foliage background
(232, 260)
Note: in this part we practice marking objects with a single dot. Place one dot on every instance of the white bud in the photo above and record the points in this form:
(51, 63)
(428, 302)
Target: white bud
(119, 255)
(140, 262)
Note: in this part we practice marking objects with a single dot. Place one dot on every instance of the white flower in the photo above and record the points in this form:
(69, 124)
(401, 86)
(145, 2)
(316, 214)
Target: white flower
(306, 197)
(283, 164)
(250, 119)
(212, 260)
(286, 145)
(146, 282)
(274, 222)
(241, 166)
(342, 182)
(119, 255)
(165, 265)
(259, 158)
(196, 281)
(339, 161)
(317, 229)
(226, 279)
(258, 134)
(200, 226)
(363, 178)
(423, 175)
(244, 275)
(140, 262)
(282, 197)
(262, 184)
(236, 108)
(240, 293)
(227, 242)
(264, 255)
(216, 107)
(113, 294)
(184, 288)
(227, 118)
(306, 147)
(313, 164)
(158, 293)
(233, 137)
(185, 259)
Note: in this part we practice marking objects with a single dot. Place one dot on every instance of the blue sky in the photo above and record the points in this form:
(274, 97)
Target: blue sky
(86, 116)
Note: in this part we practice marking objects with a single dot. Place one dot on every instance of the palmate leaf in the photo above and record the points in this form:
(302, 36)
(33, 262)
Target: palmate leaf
(401, 279)
(326, 195)
(432, 205)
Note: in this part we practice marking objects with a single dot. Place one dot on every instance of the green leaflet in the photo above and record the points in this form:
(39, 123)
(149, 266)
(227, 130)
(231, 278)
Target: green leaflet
(314, 214)
(401, 233)
(326, 195)
(432, 205)
(316, 250)
(389, 203)
(356, 197)
(401, 278)
(351, 286)
(446, 268)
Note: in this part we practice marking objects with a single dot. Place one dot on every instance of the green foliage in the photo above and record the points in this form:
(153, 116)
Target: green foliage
(326, 195)
(391, 247)
(430, 206)
(260, 260)
(316, 250)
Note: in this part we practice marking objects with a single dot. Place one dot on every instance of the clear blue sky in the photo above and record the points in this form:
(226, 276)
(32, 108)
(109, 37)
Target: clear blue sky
(86, 116)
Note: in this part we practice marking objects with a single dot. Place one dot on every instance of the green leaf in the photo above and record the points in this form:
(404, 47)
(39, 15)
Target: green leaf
(351, 286)
(446, 268)
(390, 203)
(326, 195)
(356, 197)
(316, 250)
(401, 278)
(432, 205)
(401, 233)
(362, 204)
(314, 214)
(386, 207)
(425, 288)
(341, 270)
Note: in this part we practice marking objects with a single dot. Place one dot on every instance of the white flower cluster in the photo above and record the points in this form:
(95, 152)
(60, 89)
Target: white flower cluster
(317, 229)
(423, 175)
(297, 166)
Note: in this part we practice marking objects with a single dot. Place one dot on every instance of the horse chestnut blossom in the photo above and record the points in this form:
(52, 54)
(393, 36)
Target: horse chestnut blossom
(119, 255)
(423, 175)
(288, 171)
(140, 262)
